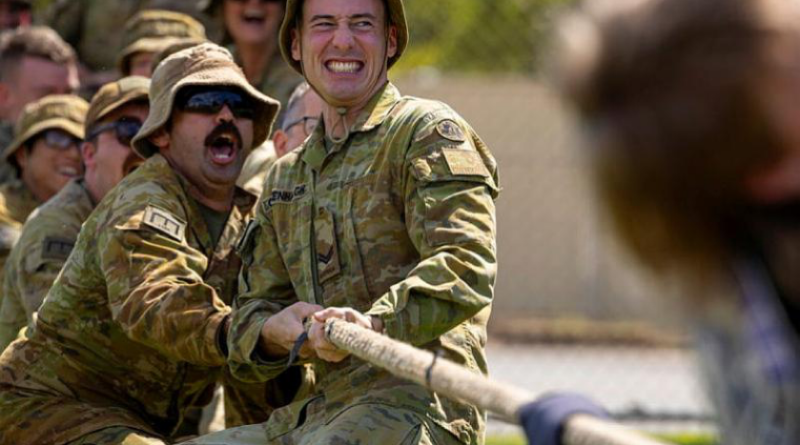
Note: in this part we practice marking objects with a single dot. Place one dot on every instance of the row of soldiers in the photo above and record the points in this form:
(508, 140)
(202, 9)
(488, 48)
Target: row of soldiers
(173, 252)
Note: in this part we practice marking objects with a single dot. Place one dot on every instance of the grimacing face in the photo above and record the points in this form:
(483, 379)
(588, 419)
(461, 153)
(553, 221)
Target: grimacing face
(344, 46)
(107, 160)
(208, 149)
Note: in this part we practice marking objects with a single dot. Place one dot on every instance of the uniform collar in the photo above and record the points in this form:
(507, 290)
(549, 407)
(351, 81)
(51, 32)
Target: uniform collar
(373, 115)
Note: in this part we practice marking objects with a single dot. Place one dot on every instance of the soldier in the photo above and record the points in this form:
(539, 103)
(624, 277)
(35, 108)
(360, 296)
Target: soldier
(385, 217)
(251, 31)
(691, 117)
(133, 332)
(45, 155)
(34, 62)
(114, 117)
(15, 14)
(299, 120)
(149, 32)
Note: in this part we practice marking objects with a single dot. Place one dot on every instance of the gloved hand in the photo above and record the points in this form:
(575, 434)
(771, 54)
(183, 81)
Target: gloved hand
(544, 419)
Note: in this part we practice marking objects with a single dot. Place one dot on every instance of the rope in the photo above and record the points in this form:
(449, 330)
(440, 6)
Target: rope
(456, 382)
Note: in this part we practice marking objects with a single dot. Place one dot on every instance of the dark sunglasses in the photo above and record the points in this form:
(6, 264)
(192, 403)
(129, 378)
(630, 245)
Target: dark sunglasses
(124, 129)
(211, 102)
(59, 140)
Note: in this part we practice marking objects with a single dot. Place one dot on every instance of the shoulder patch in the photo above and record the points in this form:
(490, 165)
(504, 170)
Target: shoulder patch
(164, 222)
(450, 130)
(464, 162)
(55, 248)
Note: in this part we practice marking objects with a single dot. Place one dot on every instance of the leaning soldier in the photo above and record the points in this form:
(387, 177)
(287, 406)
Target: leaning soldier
(385, 217)
(133, 332)
(115, 115)
(45, 154)
(150, 31)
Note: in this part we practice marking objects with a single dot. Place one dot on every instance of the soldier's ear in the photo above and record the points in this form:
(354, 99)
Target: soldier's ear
(391, 45)
(296, 53)
(88, 151)
(281, 141)
(160, 138)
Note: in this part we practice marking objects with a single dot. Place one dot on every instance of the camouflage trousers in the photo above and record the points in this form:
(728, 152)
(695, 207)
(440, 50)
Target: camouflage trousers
(359, 424)
(118, 436)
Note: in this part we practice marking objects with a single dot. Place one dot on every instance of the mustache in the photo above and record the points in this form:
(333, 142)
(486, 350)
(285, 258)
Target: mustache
(225, 129)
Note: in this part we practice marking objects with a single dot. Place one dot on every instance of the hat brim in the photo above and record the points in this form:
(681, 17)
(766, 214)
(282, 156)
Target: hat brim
(71, 127)
(266, 108)
(397, 17)
(147, 45)
(113, 106)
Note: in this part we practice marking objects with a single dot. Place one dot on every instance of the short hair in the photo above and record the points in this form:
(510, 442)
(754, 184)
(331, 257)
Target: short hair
(294, 101)
(34, 41)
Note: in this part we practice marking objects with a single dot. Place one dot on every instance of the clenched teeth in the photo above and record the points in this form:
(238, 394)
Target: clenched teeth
(344, 67)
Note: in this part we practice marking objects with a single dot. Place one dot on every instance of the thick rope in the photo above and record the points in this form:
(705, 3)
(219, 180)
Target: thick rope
(456, 382)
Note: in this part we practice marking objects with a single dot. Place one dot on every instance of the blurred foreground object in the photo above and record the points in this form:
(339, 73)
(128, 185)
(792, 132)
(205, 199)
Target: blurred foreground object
(690, 113)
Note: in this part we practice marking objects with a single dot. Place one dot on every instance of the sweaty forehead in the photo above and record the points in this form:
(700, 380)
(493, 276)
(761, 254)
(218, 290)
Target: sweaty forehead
(342, 8)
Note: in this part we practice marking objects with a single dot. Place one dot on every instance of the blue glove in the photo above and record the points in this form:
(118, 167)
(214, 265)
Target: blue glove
(544, 419)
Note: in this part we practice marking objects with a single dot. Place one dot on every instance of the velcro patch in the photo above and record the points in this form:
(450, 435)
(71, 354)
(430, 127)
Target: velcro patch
(164, 222)
(58, 249)
(450, 130)
(464, 162)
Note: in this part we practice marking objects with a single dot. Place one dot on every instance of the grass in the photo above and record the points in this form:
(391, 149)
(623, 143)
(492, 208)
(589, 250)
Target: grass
(678, 439)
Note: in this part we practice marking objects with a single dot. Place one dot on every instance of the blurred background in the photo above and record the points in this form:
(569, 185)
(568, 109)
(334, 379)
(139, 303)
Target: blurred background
(572, 311)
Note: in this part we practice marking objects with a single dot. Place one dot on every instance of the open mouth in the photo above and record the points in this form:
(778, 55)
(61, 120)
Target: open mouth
(254, 17)
(68, 171)
(223, 148)
(340, 67)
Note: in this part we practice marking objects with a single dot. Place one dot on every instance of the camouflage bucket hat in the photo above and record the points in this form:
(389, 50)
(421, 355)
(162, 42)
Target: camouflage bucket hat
(112, 96)
(207, 64)
(62, 112)
(152, 30)
(397, 17)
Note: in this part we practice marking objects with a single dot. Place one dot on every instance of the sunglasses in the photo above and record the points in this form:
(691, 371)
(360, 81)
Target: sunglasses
(125, 129)
(211, 102)
(59, 139)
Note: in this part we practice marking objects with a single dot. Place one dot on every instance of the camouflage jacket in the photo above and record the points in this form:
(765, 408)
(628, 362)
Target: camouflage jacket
(46, 240)
(16, 204)
(255, 168)
(129, 334)
(397, 222)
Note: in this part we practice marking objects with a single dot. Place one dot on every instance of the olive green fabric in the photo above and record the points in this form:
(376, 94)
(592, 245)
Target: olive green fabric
(112, 96)
(7, 171)
(204, 64)
(255, 168)
(397, 222)
(46, 241)
(152, 30)
(63, 112)
(397, 17)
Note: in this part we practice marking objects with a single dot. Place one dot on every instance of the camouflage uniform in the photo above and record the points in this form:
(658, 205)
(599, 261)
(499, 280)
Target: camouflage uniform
(104, 350)
(397, 222)
(94, 27)
(17, 202)
(41, 251)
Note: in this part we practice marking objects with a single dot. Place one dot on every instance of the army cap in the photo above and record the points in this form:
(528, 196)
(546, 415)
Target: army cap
(62, 112)
(397, 17)
(206, 64)
(114, 95)
(152, 30)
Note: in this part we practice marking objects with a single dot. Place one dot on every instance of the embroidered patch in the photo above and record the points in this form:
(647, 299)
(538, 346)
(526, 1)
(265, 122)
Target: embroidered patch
(450, 130)
(164, 222)
(54, 248)
(464, 162)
